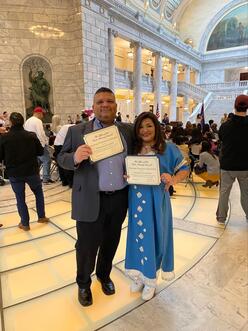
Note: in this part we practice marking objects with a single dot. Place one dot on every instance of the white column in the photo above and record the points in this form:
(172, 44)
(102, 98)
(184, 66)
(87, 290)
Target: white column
(158, 83)
(173, 91)
(186, 97)
(111, 53)
(197, 77)
(187, 74)
(137, 78)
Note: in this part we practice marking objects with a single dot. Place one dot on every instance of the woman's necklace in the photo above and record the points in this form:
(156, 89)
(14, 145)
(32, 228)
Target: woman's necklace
(146, 149)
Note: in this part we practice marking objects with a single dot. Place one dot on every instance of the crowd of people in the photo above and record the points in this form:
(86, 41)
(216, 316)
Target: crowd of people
(101, 195)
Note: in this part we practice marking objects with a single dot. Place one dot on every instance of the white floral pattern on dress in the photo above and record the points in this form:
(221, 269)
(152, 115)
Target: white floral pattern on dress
(144, 201)
(141, 236)
(135, 215)
(140, 223)
(139, 194)
(141, 249)
(142, 261)
(140, 209)
(144, 230)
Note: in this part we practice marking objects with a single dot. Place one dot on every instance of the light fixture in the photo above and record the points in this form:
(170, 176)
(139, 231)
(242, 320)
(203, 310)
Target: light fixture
(45, 31)
(189, 42)
(165, 67)
(130, 54)
(149, 61)
(246, 68)
(146, 4)
(128, 100)
(148, 100)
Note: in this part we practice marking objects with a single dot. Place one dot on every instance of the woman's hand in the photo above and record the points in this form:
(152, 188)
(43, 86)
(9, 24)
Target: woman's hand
(82, 153)
(125, 176)
(167, 180)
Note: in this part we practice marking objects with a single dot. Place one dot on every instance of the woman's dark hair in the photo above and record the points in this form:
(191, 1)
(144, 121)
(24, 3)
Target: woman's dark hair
(180, 140)
(196, 136)
(159, 145)
(16, 119)
(206, 147)
(206, 128)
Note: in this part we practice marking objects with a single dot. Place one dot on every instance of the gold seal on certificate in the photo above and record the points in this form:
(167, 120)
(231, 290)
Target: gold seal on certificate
(104, 143)
(143, 170)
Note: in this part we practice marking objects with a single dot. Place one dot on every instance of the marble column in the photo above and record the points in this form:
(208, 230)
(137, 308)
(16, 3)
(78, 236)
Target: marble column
(197, 77)
(158, 83)
(186, 97)
(111, 53)
(173, 91)
(137, 78)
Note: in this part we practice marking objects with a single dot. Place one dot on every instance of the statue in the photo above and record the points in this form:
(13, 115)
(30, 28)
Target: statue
(39, 92)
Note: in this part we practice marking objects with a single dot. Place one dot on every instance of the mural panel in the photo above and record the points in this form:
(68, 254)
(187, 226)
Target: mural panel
(231, 31)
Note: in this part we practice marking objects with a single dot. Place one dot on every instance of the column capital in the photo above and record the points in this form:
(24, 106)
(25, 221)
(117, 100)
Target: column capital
(173, 61)
(135, 44)
(158, 53)
(113, 32)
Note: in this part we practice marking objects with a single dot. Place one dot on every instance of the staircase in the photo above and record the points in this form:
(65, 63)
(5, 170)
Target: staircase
(217, 108)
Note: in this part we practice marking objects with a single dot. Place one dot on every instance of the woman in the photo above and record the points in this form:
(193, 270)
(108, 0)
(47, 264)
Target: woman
(195, 146)
(211, 162)
(150, 233)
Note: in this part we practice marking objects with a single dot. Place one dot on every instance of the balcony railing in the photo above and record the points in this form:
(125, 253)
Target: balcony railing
(124, 79)
(243, 84)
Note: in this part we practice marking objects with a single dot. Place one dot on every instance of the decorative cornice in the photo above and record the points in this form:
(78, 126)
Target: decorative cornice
(124, 13)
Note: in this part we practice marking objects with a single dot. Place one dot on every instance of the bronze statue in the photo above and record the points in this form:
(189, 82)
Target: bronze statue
(39, 92)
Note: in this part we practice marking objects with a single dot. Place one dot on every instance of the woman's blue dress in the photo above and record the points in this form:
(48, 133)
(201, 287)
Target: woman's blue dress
(150, 232)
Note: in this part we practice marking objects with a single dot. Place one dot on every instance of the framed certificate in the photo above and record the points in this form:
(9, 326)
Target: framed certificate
(143, 170)
(104, 143)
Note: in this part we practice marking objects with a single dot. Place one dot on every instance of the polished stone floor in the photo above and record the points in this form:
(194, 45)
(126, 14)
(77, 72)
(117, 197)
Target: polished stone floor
(37, 269)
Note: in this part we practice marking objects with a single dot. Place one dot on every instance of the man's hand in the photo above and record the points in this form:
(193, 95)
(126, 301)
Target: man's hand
(82, 153)
(3, 129)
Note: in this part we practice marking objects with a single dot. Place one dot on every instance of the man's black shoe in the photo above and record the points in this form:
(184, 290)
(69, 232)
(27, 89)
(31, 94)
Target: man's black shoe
(85, 296)
(108, 286)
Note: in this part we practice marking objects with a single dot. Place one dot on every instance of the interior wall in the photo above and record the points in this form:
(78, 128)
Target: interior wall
(63, 50)
(234, 74)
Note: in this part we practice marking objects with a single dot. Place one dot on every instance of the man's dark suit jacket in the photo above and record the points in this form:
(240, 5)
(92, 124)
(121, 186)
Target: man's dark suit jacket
(19, 150)
(85, 191)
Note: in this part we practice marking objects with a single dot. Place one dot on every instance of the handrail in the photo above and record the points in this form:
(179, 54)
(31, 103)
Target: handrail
(185, 86)
(207, 100)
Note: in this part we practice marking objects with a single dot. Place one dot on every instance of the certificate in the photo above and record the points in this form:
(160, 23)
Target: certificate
(104, 143)
(143, 170)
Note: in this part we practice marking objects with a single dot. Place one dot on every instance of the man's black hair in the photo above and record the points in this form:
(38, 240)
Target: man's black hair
(16, 119)
(104, 90)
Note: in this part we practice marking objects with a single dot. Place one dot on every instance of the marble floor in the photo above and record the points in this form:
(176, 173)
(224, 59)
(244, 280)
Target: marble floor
(209, 293)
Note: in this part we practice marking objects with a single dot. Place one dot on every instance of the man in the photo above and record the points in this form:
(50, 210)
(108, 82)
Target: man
(19, 150)
(2, 130)
(99, 196)
(34, 124)
(233, 136)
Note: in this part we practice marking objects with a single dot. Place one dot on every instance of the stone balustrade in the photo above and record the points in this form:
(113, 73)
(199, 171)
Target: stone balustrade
(225, 86)
(194, 91)
(124, 79)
